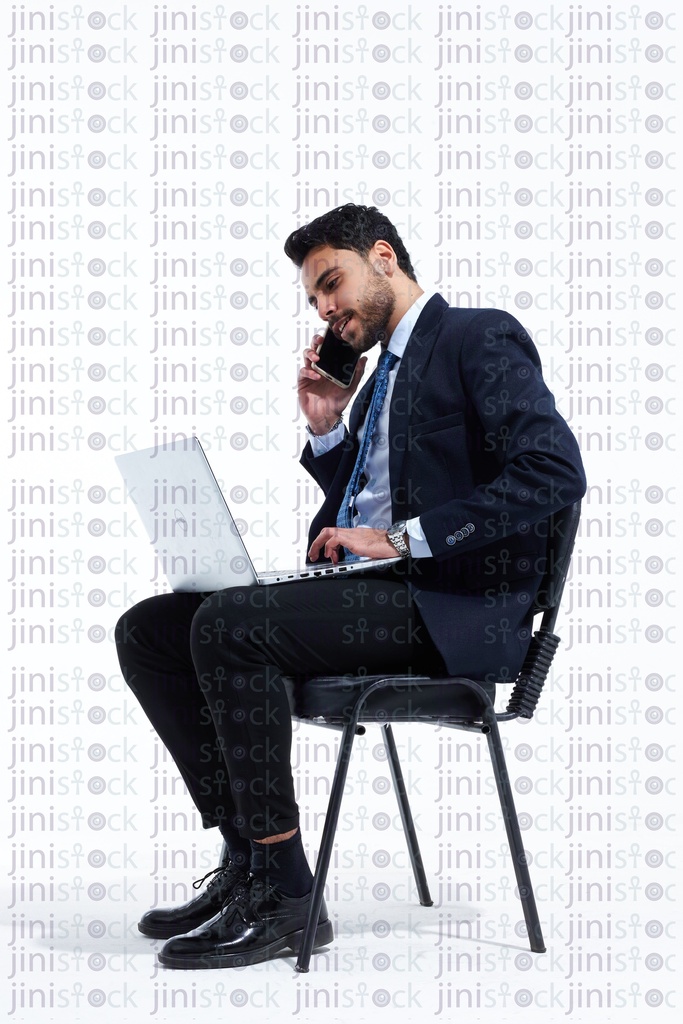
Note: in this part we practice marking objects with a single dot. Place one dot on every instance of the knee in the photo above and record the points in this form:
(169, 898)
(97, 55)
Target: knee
(126, 628)
(226, 618)
(135, 622)
(216, 619)
(127, 641)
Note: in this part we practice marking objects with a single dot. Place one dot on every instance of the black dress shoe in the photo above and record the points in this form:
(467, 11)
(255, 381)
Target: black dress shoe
(256, 923)
(163, 923)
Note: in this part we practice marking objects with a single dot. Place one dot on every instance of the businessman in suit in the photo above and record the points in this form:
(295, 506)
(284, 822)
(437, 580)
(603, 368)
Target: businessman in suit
(452, 461)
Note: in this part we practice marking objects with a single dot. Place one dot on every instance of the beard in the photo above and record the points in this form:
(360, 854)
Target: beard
(373, 314)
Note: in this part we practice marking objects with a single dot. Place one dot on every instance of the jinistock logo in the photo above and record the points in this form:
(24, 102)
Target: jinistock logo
(157, 159)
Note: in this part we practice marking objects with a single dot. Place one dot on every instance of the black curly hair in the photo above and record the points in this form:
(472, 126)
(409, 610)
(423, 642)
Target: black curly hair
(348, 227)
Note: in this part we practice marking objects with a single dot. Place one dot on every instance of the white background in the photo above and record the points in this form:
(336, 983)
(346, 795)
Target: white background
(619, 389)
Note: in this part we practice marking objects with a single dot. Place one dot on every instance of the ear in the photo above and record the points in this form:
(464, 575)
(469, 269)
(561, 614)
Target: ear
(383, 257)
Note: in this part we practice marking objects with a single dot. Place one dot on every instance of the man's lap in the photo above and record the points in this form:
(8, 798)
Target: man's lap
(359, 624)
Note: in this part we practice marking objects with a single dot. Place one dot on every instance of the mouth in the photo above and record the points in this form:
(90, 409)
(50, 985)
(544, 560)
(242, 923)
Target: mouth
(340, 326)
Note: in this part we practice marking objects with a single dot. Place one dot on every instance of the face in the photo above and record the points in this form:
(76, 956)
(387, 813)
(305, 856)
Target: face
(355, 298)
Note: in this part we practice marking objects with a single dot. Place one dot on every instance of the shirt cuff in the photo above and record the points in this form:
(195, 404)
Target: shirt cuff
(325, 442)
(419, 547)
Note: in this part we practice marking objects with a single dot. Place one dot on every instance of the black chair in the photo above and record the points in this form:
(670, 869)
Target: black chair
(342, 702)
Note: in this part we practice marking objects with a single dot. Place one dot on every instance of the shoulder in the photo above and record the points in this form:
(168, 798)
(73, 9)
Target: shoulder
(488, 328)
(476, 319)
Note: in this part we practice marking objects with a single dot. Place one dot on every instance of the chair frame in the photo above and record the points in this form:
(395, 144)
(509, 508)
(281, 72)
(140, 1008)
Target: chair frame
(562, 527)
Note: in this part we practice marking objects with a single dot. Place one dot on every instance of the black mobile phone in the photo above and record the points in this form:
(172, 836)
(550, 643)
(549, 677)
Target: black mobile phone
(337, 360)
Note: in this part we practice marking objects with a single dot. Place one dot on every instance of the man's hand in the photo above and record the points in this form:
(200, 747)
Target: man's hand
(360, 540)
(321, 401)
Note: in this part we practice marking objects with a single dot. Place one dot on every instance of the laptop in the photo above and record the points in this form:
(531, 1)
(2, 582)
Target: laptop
(196, 542)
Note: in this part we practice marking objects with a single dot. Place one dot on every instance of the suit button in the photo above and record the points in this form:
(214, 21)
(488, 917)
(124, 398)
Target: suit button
(459, 535)
(470, 527)
(450, 539)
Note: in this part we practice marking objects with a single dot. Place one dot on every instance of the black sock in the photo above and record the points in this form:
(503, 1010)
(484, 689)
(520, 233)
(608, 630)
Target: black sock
(283, 865)
(239, 848)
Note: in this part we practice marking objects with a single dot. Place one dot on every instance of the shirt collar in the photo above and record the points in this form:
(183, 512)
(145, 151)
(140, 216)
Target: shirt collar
(404, 328)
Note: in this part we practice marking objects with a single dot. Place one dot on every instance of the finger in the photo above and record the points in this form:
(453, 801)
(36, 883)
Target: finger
(331, 552)
(309, 374)
(335, 541)
(315, 547)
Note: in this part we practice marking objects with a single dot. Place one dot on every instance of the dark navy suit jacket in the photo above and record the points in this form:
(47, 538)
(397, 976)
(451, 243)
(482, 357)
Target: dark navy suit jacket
(480, 454)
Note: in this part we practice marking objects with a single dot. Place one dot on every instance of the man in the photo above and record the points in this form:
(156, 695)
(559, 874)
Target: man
(465, 458)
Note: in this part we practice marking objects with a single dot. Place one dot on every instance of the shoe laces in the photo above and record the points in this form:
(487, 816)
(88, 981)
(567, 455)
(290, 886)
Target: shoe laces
(218, 872)
(247, 894)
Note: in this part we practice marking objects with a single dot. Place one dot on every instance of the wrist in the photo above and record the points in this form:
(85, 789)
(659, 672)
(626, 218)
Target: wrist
(397, 535)
(324, 427)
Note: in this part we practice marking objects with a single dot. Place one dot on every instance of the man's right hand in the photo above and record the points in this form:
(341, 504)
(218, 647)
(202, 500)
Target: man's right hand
(321, 401)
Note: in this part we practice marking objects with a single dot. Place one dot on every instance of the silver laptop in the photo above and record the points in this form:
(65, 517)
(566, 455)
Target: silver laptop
(196, 542)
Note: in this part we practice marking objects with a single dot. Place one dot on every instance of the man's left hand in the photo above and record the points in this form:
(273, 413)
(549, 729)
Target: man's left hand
(360, 540)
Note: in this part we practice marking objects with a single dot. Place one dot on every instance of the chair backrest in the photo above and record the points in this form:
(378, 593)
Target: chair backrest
(562, 527)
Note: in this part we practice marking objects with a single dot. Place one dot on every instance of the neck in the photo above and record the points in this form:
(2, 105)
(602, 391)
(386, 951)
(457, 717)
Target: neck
(406, 294)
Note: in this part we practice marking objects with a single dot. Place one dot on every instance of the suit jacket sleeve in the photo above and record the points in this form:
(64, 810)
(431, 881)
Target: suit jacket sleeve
(323, 467)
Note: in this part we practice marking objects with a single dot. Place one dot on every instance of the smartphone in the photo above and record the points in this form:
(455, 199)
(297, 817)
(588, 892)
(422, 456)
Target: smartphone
(337, 360)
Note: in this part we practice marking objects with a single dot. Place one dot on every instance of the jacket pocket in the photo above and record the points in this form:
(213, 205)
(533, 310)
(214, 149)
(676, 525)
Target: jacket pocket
(441, 423)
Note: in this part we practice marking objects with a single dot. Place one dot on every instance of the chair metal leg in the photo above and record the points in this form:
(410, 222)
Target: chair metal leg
(326, 846)
(406, 817)
(519, 859)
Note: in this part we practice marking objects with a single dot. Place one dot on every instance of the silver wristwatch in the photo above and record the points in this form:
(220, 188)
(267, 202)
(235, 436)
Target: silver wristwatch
(396, 535)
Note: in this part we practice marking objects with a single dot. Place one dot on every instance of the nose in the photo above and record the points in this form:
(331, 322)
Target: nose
(327, 308)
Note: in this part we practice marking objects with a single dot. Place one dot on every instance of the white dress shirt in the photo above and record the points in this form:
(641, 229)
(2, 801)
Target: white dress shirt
(373, 503)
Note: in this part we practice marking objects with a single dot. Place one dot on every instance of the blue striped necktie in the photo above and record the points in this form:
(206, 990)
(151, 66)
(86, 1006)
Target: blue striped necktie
(346, 512)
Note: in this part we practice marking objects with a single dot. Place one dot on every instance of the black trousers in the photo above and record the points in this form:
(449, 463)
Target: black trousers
(211, 673)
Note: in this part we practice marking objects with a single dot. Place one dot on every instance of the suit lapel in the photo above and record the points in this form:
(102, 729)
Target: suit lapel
(360, 405)
(408, 379)
(406, 387)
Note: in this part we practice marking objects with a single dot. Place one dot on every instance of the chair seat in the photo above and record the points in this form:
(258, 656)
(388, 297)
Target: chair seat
(403, 698)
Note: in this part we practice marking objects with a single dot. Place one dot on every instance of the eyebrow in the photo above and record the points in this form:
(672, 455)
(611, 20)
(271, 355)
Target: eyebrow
(320, 280)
